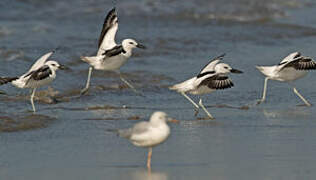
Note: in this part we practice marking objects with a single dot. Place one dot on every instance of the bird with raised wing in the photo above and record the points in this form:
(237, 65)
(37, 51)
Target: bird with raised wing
(292, 67)
(111, 56)
(149, 133)
(214, 76)
(43, 72)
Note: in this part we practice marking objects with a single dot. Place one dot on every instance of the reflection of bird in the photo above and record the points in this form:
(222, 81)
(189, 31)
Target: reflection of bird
(211, 78)
(142, 174)
(41, 73)
(291, 68)
(148, 134)
(110, 56)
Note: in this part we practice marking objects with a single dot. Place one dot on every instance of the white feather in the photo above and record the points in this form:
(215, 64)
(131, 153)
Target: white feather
(108, 41)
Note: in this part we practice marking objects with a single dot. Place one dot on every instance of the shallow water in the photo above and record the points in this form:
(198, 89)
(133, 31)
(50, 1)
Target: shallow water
(67, 139)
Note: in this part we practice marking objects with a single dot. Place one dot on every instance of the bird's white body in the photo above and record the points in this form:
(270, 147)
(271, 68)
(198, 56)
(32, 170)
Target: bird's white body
(287, 74)
(148, 133)
(192, 86)
(154, 136)
(21, 82)
(101, 62)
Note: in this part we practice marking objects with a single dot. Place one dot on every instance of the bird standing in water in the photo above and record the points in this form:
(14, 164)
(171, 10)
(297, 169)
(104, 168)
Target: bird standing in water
(111, 56)
(149, 133)
(43, 72)
(214, 76)
(291, 68)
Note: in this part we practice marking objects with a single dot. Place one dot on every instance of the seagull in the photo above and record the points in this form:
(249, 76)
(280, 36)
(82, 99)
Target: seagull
(149, 133)
(214, 76)
(291, 68)
(43, 72)
(111, 56)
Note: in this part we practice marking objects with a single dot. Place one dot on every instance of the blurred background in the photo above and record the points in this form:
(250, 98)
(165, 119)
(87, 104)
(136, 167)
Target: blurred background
(67, 138)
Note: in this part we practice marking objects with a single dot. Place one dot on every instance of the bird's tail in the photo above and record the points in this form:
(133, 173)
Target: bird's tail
(184, 86)
(89, 59)
(5, 80)
(266, 70)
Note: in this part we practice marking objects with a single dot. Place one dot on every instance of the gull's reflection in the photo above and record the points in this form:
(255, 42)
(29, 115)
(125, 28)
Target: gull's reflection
(144, 174)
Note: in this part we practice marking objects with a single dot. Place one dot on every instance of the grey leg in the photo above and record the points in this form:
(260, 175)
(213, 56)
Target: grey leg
(85, 90)
(32, 99)
(128, 84)
(299, 95)
(194, 104)
(264, 91)
(203, 107)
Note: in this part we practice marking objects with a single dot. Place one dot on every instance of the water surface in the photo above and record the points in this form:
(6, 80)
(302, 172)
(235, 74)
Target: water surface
(67, 138)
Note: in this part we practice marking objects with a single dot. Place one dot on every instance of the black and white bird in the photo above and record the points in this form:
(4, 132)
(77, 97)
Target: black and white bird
(111, 56)
(214, 76)
(291, 68)
(149, 133)
(43, 72)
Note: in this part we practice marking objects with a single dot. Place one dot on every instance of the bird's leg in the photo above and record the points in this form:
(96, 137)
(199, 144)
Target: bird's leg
(299, 95)
(203, 107)
(128, 84)
(194, 104)
(150, 151)
(85, 90)
(32, 99)
(264, 91)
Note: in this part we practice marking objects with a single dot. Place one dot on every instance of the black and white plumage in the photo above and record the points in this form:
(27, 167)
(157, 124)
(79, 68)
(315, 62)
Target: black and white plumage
(214, 76)
(110, 56)
(41, 73)
(291, 68)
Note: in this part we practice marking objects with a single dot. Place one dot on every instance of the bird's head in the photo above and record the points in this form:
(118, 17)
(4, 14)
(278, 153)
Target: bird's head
(159, 117)
(225, 69)
(54, 65)
(129, 44)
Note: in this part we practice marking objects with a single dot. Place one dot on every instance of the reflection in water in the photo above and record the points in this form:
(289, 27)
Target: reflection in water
(23, 122)
(286, 113)
(143, 174)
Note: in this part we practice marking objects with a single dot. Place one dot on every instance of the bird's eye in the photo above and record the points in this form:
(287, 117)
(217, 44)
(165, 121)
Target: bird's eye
(226, 67)
(131, 43)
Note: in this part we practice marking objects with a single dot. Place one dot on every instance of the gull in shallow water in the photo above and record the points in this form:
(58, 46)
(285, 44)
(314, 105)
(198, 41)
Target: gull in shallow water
(291, 68)
(148, 133)
(41, 73)
(110, 56)
(214, 76)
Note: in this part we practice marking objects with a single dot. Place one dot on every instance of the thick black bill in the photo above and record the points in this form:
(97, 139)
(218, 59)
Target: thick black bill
(141, 46)
(62, 67)
(236, 71)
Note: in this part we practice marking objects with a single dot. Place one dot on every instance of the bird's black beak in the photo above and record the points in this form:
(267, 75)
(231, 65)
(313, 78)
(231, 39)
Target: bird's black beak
(141, 46)
(63, 67)
(236, 71)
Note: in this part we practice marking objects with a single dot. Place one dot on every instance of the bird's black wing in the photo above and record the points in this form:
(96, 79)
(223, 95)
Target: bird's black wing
(303, 63)
(5, 80)
(109, 21)
(39, 74)
(217, 82)
(210, 66)
(116, 50)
